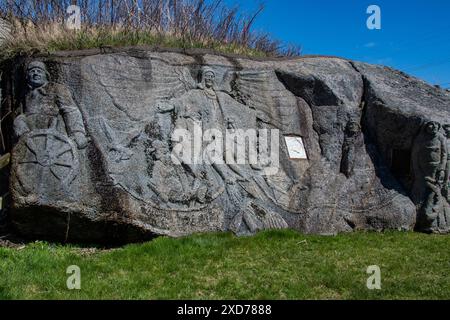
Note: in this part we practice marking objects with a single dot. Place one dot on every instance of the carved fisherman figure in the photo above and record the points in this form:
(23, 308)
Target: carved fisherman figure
(429, 160)
(49, 132)
(49, 105)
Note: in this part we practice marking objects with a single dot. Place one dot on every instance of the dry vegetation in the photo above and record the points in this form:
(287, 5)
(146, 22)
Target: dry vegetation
(39, 25)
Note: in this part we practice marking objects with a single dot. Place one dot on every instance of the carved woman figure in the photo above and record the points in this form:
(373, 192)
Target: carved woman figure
(429, 161)
(352, 132)
(446, 128)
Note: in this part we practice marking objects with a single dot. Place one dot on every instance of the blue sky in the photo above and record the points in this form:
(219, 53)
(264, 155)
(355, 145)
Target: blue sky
(414, 35)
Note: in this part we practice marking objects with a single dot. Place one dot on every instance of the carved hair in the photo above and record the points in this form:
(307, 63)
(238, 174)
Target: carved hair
(432, 122)
(39, 65)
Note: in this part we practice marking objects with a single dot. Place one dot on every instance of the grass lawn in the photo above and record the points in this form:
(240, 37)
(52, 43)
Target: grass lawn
(270, 265)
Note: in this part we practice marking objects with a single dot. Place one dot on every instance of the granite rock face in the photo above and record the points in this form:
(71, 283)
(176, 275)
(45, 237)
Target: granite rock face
(5, 30)
(96, 141)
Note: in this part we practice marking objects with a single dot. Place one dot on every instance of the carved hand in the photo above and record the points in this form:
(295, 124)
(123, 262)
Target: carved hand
(80, 140)
(231, 179)
(441, 177)
(122, 153)
(231, 124)
(20, 126)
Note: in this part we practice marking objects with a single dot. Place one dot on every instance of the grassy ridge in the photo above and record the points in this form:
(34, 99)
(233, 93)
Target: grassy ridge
(40, 26)
(271, 265)
(53, 38)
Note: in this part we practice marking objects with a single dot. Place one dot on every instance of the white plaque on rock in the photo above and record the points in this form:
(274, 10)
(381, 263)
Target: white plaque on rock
(295, 147)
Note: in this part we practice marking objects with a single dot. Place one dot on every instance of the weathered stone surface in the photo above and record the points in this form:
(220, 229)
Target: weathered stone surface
(94, 135)
(405, 117)
(5, 30)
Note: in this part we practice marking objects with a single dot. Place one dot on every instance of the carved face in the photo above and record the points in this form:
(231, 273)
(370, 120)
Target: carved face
(209, 78)
(353, 127)
(161, 150)
(37, 77)
(432, 127)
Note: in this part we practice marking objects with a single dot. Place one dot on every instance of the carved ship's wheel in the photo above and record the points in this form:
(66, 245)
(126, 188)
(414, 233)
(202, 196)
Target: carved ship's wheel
(47, 152)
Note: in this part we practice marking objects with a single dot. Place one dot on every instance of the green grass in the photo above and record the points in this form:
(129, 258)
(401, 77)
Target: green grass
(270, 265)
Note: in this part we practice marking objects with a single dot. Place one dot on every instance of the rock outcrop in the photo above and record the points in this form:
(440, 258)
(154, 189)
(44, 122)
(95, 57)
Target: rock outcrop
(118, 146)
(5, 30)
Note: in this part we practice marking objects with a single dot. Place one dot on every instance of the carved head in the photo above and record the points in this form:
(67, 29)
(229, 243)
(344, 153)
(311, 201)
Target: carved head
(37, 74)
(432, 127)
(446, 128)
(353, 127)
(208, 77)
(161, 149)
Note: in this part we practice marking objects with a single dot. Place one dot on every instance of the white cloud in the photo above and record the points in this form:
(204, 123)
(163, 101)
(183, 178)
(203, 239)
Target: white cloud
(370, 45)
